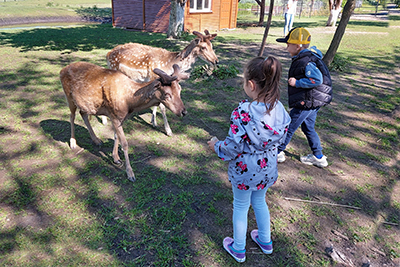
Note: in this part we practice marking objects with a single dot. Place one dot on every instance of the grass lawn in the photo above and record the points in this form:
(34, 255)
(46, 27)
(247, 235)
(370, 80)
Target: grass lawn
(75, 208)
(54, 8)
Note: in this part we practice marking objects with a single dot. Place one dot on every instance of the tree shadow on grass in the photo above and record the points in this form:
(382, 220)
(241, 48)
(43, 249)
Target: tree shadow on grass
(382, 24)
(83, 38)
(152, 221)
(61, 131)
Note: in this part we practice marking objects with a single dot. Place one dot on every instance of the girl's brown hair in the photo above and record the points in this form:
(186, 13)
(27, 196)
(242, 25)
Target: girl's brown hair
(266, 74)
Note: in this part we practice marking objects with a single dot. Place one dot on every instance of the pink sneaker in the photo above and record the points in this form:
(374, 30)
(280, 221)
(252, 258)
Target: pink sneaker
(265, 247)
(239, 256)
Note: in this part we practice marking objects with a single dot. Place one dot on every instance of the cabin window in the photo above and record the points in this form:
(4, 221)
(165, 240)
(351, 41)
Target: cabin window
(200, 6)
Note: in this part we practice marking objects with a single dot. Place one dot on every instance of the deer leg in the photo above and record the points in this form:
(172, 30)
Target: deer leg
(166, 124)
(124, 144)
(72, 140)
(116, 158)
(103, 119)
(85, 118)
(72, 108)
(154, 117)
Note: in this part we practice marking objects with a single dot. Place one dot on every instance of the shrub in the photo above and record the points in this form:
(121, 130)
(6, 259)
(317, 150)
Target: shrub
(339, 63)
(221, 72)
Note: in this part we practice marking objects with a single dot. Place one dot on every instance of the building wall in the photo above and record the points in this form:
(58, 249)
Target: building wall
(129, 14)
(202, 21)
(223, 16)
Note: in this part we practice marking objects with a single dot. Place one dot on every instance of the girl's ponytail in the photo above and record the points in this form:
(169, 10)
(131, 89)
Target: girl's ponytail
(266, 73)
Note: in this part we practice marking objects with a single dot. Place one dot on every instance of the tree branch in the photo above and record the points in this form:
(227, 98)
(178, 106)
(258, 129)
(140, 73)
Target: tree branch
(322, 203)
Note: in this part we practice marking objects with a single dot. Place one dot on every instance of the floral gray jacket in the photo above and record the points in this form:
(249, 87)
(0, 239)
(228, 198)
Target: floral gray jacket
(251, 144)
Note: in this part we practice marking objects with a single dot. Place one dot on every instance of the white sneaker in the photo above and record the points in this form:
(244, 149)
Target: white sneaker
(281, 157)
(310, 159)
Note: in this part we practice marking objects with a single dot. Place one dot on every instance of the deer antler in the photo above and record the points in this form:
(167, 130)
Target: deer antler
(165, 78)
(200, 35)
(205, 37)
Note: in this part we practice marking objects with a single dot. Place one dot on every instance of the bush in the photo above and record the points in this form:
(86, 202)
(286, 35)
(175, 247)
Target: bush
(339, 63)
(225, 72)
(221, 72)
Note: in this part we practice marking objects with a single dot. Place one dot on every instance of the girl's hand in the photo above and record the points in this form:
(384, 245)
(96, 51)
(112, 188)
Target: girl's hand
(292, 81)
(212, 142)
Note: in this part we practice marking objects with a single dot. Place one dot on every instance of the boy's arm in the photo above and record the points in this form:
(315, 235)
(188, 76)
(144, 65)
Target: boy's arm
(314, 77)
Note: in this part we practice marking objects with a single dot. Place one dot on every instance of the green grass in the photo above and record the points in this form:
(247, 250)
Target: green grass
(59, 208)
(54, 8)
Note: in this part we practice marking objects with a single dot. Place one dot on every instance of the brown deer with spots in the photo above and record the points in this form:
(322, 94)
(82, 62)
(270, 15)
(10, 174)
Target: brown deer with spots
(99, 91)
(137, 61)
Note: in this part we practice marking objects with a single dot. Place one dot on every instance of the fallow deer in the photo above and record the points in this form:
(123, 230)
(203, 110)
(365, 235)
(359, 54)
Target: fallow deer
(99, 91)
(137, 61)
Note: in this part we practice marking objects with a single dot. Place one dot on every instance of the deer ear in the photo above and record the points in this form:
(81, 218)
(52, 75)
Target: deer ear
(188, 50)
(157, 85)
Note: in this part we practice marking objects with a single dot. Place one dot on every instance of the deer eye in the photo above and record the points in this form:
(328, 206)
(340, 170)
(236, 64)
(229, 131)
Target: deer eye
(168, 96)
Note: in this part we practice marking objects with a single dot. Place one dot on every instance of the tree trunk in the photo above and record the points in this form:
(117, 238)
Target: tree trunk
(271, 8)
(347, 11)
(311, 8)
(176, 17)
(261, 3)
(301, 9)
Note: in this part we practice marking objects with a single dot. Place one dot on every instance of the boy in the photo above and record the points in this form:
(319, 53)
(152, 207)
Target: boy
(309, 88)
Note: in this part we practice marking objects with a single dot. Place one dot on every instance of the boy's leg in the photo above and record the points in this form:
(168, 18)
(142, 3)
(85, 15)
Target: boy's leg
(297, 118)
(241, 205)
(261, 211)
(308, 128)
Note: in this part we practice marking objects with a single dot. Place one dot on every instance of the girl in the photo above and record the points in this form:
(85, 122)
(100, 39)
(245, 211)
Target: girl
(256, 130)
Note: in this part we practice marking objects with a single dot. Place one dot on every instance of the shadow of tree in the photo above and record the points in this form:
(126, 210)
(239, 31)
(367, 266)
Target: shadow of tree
(179, 209)
(83, 38)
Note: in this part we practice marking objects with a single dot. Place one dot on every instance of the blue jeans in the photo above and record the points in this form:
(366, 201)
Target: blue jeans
(288, 23)
(305, 118)
(241, 204)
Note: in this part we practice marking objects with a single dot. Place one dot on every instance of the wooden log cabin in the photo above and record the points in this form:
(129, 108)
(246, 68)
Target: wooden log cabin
(153, 15)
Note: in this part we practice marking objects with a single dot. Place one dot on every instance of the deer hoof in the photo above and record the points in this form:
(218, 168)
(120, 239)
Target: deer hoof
(97, 142)
(132, 179)
(72, 143)
(119, 163)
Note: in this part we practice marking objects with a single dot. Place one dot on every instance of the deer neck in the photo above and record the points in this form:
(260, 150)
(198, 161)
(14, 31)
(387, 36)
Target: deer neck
(187, 57)
(187, 62)
(145, 97)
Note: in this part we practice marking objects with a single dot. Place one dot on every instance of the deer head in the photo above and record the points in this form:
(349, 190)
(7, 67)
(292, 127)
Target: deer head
(171, 90)
(202, 47)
